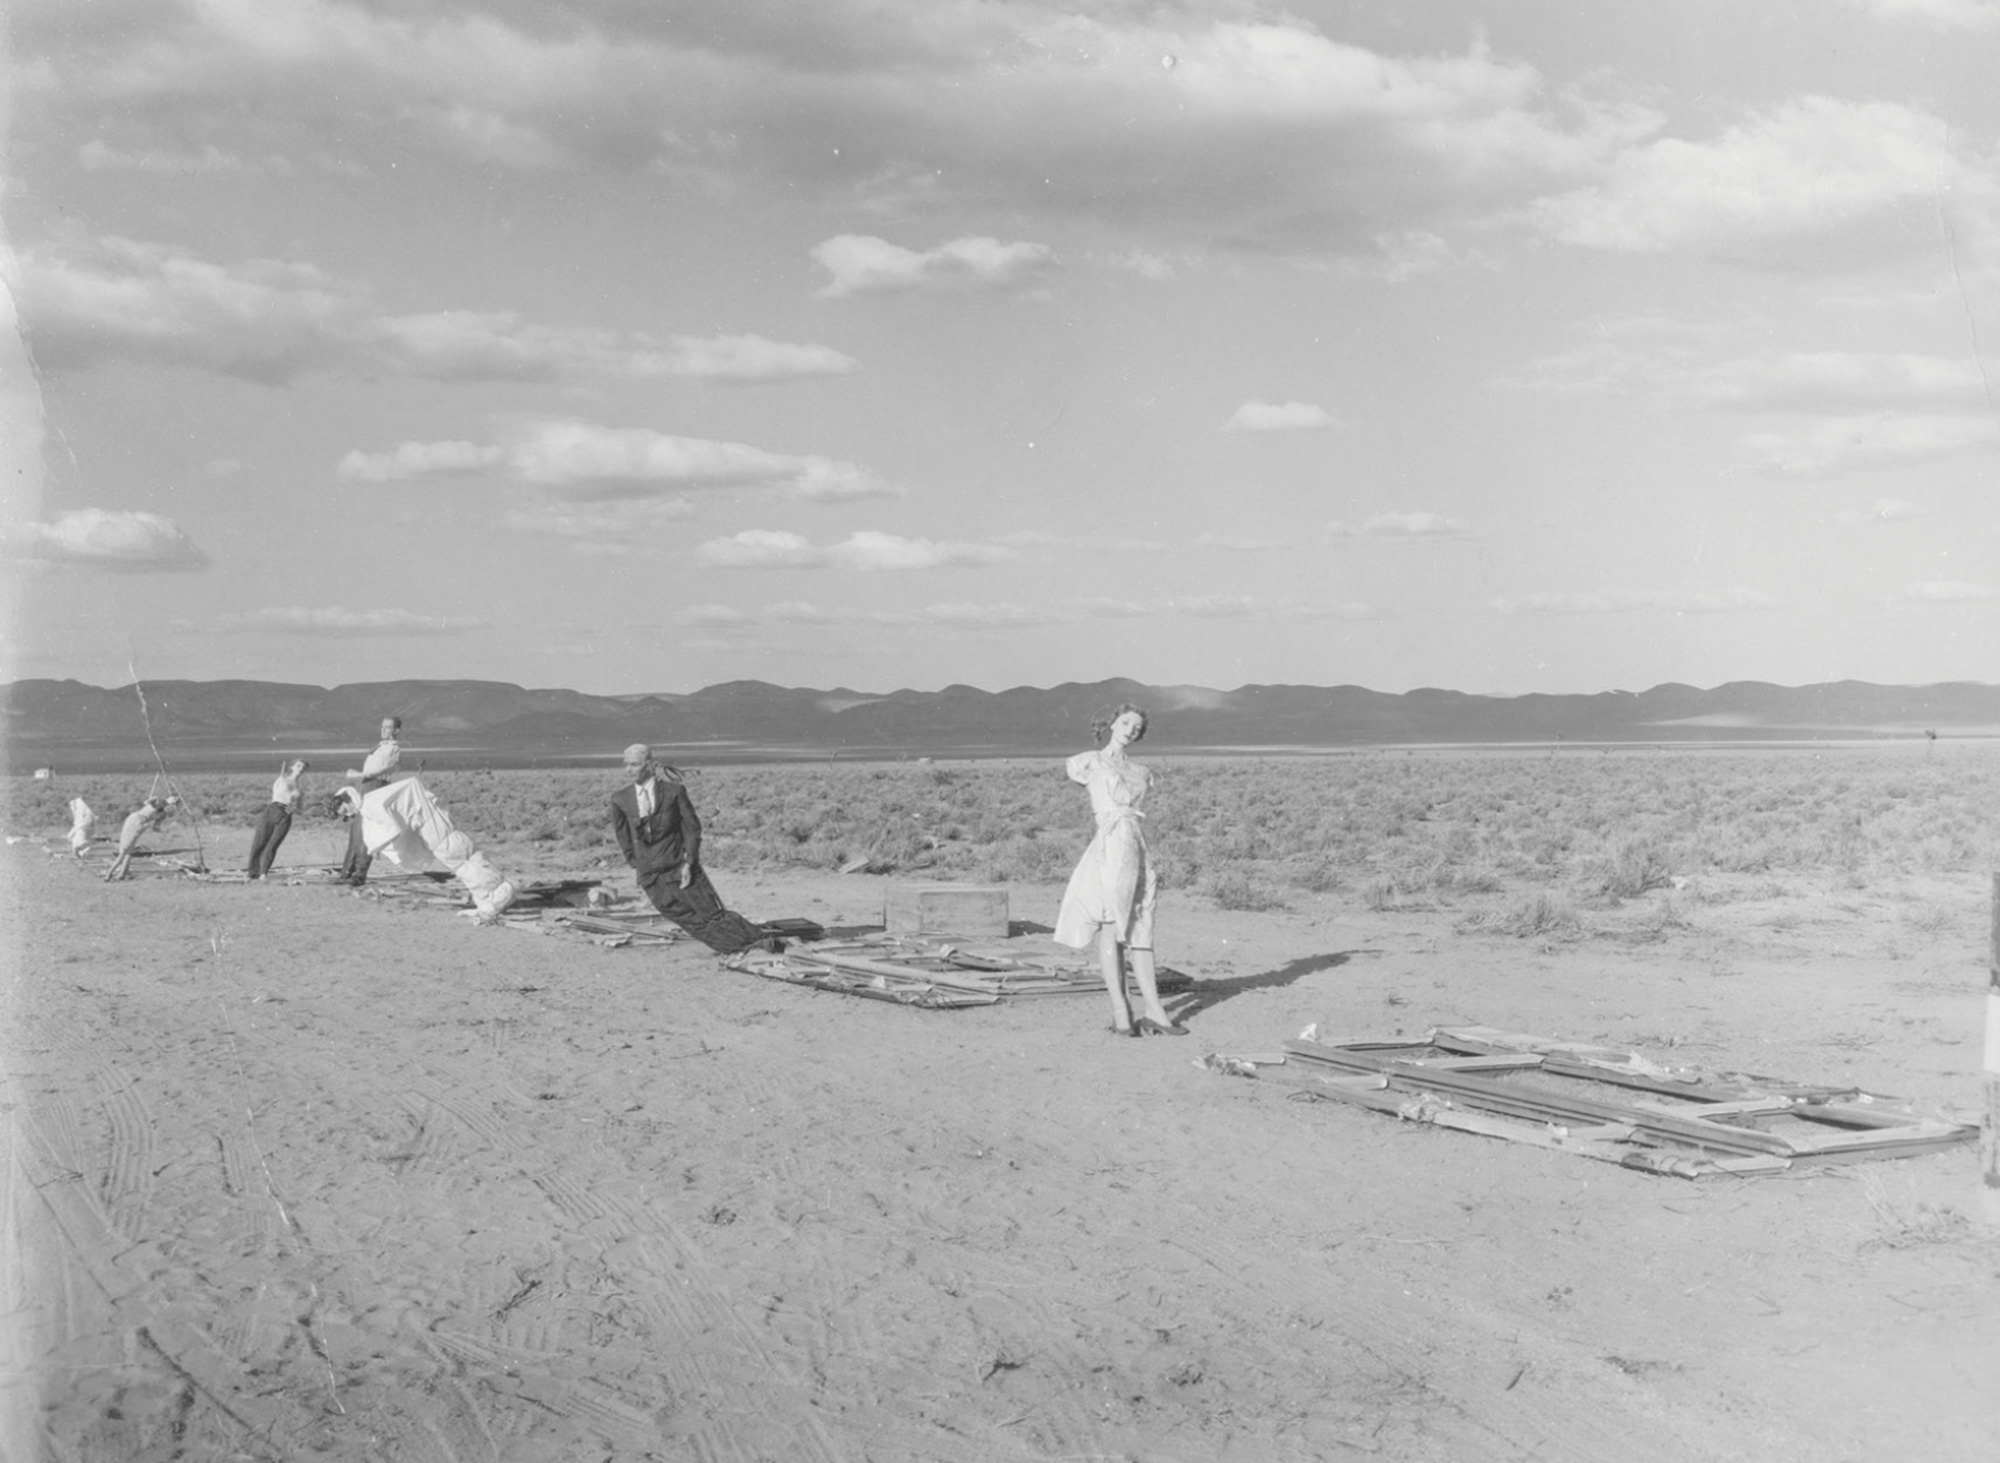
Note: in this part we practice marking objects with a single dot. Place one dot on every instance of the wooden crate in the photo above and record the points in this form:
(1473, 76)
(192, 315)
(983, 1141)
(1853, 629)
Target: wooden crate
(976, 911)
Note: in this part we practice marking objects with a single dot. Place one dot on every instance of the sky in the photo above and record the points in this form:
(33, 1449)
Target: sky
(641, 345)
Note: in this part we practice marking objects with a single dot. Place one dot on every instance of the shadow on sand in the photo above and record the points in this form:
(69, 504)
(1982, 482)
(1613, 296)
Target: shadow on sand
(1207, 994)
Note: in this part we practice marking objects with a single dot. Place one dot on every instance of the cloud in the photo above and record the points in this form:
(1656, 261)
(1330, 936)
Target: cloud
(1679, 365)
(579, 460)
(860, 264)
(416, 460)
(1944, 14)
(334, 622)
(1264, 132)
(101, 538)
(1884, 510)
(98, 156)
(1264, 416)
(619, 526)
(1155, 267)
(1626, 601)
(1816, 182)
(752, 358)
(1945, 591)
(274, 322)
(1834, 381)
(865, 549)
(1237, 544)
(1399, 526)
(1216, 607)
(1836, 446)
(791, 613)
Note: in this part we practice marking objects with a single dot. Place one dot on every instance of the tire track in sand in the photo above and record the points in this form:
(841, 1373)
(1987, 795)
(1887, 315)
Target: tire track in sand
(125, 1180)
(711, 1360)
(217, 1415)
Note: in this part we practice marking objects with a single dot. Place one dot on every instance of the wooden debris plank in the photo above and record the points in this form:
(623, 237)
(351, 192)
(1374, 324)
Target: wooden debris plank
(1605, 1064)
(1851, 1114)
(597, 924)
(1542, 1104)
(1610, 1143)
(1882, 1138)
(1851, 1127)
(892, 971)
(1742, 1106)
(1504, 1062)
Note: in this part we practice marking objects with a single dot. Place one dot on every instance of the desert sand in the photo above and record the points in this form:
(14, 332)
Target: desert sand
(297, 1172)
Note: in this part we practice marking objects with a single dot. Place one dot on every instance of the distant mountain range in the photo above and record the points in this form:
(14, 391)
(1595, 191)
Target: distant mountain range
(44, 721)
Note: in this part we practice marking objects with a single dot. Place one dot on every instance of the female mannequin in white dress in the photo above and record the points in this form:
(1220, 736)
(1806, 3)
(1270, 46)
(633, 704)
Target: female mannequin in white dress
(1109, 901)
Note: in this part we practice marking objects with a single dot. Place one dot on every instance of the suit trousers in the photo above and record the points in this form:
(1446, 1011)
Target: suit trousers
(272, 826)
(355, 865)
(698, 909)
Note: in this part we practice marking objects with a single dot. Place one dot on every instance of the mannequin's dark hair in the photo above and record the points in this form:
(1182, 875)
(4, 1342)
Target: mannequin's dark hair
(1100, 725)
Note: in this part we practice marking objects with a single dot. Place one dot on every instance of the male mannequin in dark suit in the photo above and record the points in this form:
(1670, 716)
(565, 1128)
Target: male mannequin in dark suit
(657, 831)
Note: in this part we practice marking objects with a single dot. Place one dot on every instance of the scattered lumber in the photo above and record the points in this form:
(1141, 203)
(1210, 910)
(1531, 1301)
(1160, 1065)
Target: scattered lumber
(1601, 1103)
(933, 973)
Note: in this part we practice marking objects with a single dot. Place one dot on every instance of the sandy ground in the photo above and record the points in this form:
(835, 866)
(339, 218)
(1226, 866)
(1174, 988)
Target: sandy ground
(291, 1172)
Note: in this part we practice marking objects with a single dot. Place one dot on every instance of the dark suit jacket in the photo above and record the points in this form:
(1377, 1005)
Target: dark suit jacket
(656, 846)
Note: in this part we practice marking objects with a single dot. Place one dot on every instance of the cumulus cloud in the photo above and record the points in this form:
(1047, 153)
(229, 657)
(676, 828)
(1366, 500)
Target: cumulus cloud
(1216, 607)
(865, 549)
(1944, 14)
(1399, 526)
(1682, 367)
(579, 460)
(1264, 131)
(615, 527)
(1240, 544)
(1946, 591)
(1625, 601)
(1155, 267)
(1834, 381)
(101, 538)
(861, 264)
(752, 358)
(1884, 510)
(803, 613)
(335, 622)
(98, 156)
(87, 301)
(417, 460)
(1817, 181)
(1266, 416)
(1835, 446)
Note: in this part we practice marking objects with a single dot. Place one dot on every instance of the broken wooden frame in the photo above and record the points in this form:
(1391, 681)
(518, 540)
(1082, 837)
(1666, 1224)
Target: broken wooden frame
(932, 973)
(1602, 1103)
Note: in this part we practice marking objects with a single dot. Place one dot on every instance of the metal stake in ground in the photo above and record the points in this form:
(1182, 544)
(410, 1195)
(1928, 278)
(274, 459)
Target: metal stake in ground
(1989, 1144)
(146, 720)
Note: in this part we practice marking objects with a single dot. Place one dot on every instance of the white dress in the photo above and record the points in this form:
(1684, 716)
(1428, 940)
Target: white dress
(1114, 883)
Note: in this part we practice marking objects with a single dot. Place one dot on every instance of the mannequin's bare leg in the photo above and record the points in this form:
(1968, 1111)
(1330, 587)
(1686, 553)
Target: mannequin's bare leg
(1149, 987)
(1114, 979)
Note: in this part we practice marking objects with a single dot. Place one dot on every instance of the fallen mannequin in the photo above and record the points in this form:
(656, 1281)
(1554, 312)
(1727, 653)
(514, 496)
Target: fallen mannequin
(404, 824)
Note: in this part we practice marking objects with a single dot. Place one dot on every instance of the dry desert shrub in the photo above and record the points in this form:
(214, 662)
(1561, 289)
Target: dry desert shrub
(1533, 834)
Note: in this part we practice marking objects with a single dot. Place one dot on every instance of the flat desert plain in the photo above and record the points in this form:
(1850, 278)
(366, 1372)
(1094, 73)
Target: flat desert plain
(293, 1171)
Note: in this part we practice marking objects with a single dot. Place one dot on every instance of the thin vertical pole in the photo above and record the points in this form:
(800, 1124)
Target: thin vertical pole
(1989, 1143)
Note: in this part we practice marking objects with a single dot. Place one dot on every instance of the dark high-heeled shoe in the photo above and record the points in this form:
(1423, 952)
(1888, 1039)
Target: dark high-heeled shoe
(1147, 1026)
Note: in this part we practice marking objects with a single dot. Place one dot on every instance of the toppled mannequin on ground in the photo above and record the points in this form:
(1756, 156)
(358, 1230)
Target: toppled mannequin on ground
(404, 823)
(141, 821)
(654, 821)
